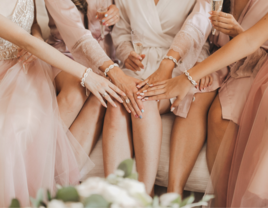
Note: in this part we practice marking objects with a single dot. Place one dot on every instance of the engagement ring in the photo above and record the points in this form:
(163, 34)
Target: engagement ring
(127, 100)
(104, 94)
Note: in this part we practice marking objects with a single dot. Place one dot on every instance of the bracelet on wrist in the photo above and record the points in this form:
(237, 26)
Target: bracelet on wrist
(172, 59)
(109, 68)
(85, 75)
(190, 78)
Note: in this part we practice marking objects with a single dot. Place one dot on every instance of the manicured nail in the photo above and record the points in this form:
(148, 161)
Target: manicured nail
(142, 110)
(124, 94)
(139, 97)
(103, 20)
(138, 86)
(106, 15)
(141, 93)
(151, 85)
(129, 111)
(146, 98)
(121, 101)
(96, 16)
(143, 100)
(140, 117)
(172, 109)
(145, 91)
(115, 105)
(157, 101)
(136, 116)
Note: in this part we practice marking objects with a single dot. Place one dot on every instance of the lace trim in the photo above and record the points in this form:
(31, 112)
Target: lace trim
(23, 16)
(88, 47)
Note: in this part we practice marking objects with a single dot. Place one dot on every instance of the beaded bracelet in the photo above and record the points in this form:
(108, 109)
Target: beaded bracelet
(190, 78)
(109, 68)
(85, 75)
(172, 59)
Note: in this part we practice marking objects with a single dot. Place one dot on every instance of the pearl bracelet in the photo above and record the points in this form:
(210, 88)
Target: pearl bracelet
(172, 59)
(85, 75)
(109, 68)
(190, 78)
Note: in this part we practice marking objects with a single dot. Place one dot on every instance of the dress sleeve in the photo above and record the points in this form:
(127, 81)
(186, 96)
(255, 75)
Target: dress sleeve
(205, 52)
(194, 32)
(83, 46)
(121, 34)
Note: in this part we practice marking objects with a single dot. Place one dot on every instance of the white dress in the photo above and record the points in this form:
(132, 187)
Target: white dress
(36, 150)
(174, 24)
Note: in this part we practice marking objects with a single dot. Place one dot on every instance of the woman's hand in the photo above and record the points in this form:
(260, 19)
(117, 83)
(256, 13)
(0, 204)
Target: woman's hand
(111, 17)
(225, 23)
(134, 61)
(162, 73)
(175, 87)
(103, 89)
(128, 85)
(205, 82)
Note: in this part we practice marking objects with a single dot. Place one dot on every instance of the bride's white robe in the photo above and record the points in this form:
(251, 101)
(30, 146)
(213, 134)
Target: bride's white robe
(181, 25)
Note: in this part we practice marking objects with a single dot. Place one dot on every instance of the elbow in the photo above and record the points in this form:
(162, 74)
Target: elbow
(251, 42)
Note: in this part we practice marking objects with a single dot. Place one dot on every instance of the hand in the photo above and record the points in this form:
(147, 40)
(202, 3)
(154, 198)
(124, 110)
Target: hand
(162, 73)
(111, 17)
(128, 85)
(204, 82)
(25, 58)
(225, 23)
(102, 88)
(175, 87)
(133, 62)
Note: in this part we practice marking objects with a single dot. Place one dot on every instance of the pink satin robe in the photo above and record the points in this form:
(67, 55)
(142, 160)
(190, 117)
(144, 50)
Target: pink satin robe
(239, 76)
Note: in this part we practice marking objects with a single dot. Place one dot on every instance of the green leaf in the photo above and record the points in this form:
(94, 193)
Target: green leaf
(177, 201)
(188, 200)
(207, 198)
(39, 198)
(49, 198)
(126, 166)
(133, 176)
(95, 201)
(68, 194)
(14, 203)
(156, 201)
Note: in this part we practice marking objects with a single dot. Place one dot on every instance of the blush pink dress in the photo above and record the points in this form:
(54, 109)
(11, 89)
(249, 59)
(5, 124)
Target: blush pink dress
(239, 76)
(68, 34)
(36, 150)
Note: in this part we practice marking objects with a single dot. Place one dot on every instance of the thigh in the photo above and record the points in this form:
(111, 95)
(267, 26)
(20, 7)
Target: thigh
(164, 106)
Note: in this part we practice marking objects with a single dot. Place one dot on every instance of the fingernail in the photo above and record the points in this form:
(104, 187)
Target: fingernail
(143, 100)
(124, 94)
(136, 116)
(140, 117)
(172, 109)
(142, 67)
(141, 93)
(139, 97)
(146, 98)
(129, 111)
(138, 86)
(96, 16)
(115, 105)
(138, 93)
(106, 15)
(142, 110)
(121, 101)
(102, 20)
(151, 85)
(145, 91)
(157, 101)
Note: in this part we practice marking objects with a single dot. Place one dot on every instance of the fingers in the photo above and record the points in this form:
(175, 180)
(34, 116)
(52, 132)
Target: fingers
(112, 16)
(116, 89)
(141, 84)
(225, 31)
(221, 14)
(157, 87)
(135, 106)
(112, 21)
(114, 95)
(99, 97)
(157, 97)
(155, 92)
(126, 107)
(30, 60)
(210, 80)
(202, 82)
(222, 25)
(108, 98)
(175, 104)
(206, 81)
(219, 19)
(137, 61)
(131, 65)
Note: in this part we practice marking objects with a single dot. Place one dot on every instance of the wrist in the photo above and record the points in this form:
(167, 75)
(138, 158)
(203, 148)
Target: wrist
(114, 73)
(167, 64)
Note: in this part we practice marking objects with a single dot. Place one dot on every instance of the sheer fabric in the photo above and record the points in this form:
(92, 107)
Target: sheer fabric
(36, 150)
(84, 48)
(180, 25)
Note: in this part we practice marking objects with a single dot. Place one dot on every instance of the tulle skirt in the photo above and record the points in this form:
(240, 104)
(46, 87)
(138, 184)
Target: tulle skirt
(36, 150)
(239, 175)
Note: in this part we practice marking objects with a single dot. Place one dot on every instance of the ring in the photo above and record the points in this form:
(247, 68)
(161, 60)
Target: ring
(127, 100)
(148, 84)
(226, 15)
(104, 94)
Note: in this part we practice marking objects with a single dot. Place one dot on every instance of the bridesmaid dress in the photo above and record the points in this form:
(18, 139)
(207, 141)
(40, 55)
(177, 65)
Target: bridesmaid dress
(36, 150)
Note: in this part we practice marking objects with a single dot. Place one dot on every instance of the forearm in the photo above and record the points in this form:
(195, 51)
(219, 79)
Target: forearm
(36, 31)
(240, 47)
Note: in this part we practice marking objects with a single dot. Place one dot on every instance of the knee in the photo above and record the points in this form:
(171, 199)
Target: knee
(214, 118)
(116, 114)
(73, 97)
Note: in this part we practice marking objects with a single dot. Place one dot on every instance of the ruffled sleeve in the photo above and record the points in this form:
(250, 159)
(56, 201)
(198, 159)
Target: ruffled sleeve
(121, 34)
(193, 35)
(84, 48)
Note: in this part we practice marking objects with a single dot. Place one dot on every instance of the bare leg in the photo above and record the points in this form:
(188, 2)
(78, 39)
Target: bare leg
(147, 137)
(87, 126)
(216, 133)
(71, 97)
(117, 140)
(188, 137)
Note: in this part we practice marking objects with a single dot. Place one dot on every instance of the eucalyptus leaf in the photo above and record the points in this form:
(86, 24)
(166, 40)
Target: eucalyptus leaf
(49, 198)
(67, 194)
(14, 203)
(177, 201)
(188, 200)
(39, 198)
(96, 201)
(126, 166)
(207, 198)
(156, 201)
(133, 176)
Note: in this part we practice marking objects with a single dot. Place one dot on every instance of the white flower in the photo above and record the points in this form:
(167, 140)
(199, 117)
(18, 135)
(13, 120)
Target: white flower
(74, 205)
(166, 199)
(56, 204)
(119, 173)
(91, 186)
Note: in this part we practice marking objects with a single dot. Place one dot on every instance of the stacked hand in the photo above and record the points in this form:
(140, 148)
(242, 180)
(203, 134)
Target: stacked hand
(225, 23)
(134, 61)
(111, 17)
